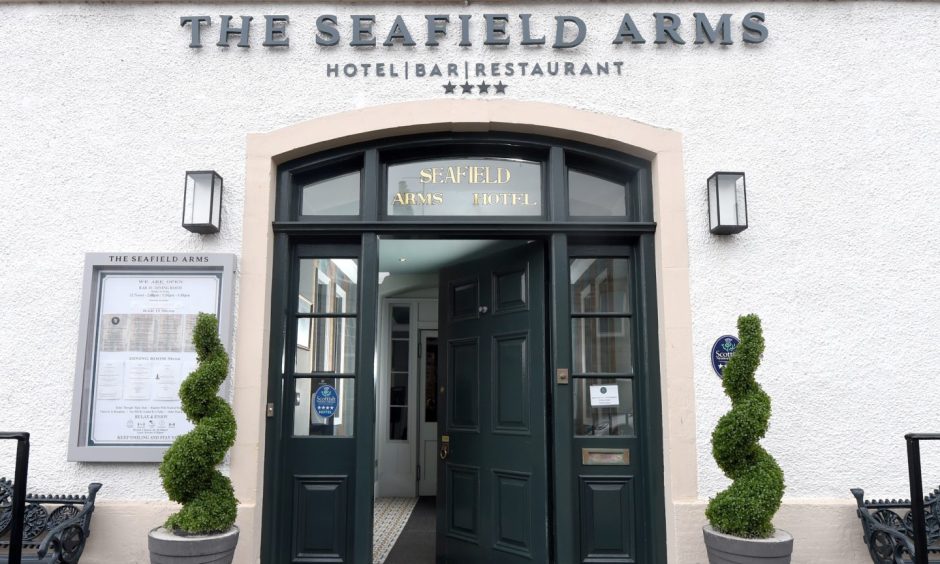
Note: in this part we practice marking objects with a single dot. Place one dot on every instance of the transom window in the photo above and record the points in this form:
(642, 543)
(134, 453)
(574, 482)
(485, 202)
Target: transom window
(477, 178)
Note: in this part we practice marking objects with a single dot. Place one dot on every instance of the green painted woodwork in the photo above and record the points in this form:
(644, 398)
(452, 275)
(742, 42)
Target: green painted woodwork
(492, 500)
(318, 490)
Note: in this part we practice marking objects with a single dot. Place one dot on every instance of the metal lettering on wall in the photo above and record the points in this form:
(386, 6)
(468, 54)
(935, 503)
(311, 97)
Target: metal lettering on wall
(568, 32)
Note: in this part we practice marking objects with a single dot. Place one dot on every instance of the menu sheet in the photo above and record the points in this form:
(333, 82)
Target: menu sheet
(143, 352)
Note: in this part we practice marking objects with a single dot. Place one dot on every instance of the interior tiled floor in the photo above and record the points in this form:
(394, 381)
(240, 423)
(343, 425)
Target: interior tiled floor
(389, 518)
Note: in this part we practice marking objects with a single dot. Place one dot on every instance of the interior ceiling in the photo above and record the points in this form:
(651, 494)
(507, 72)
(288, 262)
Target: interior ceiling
(429, 255)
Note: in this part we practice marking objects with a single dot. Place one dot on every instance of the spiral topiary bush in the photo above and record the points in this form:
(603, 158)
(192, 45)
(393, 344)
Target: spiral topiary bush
(189, 469)
(746, 508)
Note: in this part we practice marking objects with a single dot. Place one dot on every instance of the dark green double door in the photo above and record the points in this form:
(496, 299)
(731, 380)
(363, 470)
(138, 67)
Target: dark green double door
(492, 473)
(504, 496)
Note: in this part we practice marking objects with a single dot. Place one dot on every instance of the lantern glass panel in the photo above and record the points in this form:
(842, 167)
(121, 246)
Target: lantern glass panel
(202, 202)
(198, 198)
(713, 201)
(727, 202)
(216, 218)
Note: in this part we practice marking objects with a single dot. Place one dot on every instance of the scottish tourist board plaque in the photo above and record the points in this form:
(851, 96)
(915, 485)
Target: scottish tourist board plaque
(722, 350)
(137, 344)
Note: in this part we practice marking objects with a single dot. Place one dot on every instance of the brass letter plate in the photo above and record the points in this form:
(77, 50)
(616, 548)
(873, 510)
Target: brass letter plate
(605, 456)
(561, 375)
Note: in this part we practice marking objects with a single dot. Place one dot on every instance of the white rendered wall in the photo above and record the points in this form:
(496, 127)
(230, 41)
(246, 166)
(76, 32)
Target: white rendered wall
(835, 119)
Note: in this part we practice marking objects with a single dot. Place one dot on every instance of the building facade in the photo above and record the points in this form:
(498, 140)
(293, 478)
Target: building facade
(518, 190)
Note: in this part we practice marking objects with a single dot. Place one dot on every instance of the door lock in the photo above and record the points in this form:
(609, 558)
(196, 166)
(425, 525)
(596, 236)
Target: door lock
(445, 450)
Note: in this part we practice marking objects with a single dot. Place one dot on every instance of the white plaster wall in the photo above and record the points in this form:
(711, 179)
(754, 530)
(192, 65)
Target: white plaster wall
(835, 119)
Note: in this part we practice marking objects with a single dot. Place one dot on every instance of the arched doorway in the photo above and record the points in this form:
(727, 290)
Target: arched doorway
(567, 540)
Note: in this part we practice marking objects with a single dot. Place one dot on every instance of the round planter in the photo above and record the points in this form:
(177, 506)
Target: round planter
(728, 549)
(167, 548)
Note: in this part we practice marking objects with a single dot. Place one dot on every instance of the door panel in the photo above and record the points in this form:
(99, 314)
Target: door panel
(511, 383)
(492, 504)
(320, 518)
(607, 519)
(463, 377)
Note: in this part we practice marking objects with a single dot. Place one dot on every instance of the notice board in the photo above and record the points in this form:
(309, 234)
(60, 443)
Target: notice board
(135, 349)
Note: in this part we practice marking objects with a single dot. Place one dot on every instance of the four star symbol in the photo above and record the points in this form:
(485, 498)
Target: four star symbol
(467, 88)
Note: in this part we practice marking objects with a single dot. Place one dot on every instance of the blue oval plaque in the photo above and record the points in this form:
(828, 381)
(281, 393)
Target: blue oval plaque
(722, 350)
(325, 401)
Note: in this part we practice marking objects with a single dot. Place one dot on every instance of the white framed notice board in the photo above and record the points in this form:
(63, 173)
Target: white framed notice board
(135, 348)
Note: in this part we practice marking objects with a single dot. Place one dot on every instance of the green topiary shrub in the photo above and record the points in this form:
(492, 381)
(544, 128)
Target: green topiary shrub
(746, 508)
(188, 470)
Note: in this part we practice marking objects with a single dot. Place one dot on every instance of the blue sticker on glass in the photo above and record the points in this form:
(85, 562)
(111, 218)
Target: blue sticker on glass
(325, 401)
(722, 350)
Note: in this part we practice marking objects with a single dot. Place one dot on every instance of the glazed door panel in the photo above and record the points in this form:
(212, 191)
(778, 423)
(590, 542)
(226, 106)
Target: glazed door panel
(492, 487)
(317, 478)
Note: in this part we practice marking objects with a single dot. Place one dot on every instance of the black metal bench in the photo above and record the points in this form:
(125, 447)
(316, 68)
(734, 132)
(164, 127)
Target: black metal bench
(55, 527)
(888, 527)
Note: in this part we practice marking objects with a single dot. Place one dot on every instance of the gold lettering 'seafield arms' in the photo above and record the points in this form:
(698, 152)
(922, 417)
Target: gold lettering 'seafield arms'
(462, 174)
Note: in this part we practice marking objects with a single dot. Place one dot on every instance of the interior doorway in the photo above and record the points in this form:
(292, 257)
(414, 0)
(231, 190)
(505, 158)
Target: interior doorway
(460, 402)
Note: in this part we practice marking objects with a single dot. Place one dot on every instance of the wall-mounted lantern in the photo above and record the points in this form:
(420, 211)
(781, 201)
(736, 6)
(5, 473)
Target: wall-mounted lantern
(727, 203)
(202, 201)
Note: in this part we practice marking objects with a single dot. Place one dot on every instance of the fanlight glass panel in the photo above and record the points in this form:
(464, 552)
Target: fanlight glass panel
(334, 196)
(465, 187)
(593, 196)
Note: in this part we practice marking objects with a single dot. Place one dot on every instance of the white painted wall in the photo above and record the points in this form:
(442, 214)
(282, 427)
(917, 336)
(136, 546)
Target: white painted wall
(835, 119)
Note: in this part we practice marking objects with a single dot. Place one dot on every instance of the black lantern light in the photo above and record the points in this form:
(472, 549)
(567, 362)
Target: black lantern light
(202, 201)
(727, 203)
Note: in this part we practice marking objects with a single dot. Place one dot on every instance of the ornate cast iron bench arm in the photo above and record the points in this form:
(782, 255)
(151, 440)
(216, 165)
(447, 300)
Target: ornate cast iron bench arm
(886, 533)
(67, 539)
(53, 536)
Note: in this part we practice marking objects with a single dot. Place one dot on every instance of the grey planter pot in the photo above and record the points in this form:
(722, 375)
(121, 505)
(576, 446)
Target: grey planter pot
(167, 548)
(727, 549)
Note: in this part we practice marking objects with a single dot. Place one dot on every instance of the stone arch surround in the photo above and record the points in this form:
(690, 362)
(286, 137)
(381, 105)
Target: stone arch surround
(662, 147)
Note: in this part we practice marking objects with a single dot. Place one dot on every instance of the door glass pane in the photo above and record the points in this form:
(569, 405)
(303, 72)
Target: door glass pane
(602, 345)
(603, 407)
(399, 372)
(398, 424)
(334, 196)
(590, 195)
(468, 187)
(599, 285)
(324, 407)
(326, 344)
(400, 355)
(430, 383)
(399, 393)
(328, 285)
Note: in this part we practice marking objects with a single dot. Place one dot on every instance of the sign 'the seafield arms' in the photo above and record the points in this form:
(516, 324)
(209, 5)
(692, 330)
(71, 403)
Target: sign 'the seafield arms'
(560, 32)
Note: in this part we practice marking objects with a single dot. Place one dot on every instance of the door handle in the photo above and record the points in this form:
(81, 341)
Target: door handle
(445, 450)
